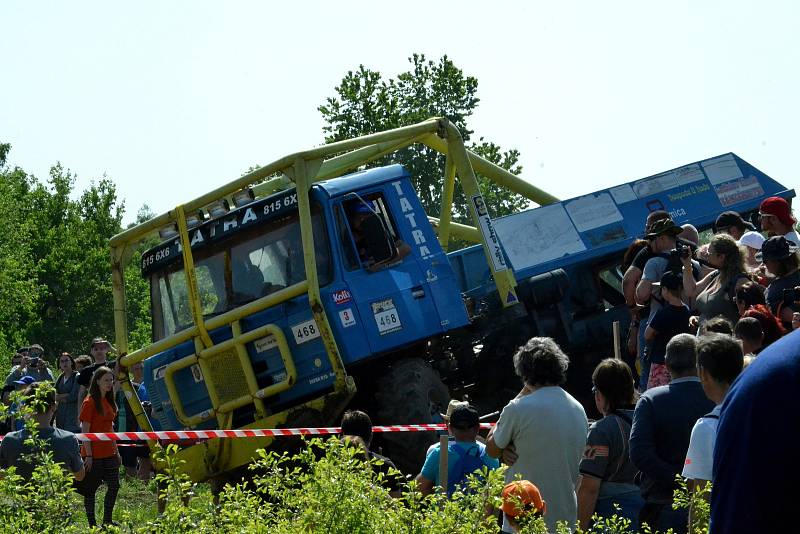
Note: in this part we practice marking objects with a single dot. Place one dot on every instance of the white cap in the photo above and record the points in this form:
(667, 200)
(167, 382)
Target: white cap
(752, 240)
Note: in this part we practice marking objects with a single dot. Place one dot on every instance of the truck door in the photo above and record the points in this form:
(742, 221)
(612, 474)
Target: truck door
(390, 292)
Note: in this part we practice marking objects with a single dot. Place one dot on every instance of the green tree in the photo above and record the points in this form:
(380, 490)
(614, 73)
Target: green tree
(365, 103)
(71, 249)
(20, 290)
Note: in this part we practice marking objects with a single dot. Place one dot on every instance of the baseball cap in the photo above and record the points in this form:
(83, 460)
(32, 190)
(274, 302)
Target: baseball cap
(361, 209)
(464, 416)
(663, 226)
(26, 380)
(727, 219)
(452, 406)
(672, 280)
(776, 248)
(778, 207)
(520, 497)
(752, 240)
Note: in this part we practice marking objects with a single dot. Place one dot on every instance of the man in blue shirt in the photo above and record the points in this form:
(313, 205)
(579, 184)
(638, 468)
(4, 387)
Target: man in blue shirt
(754, 470)
(463, 426)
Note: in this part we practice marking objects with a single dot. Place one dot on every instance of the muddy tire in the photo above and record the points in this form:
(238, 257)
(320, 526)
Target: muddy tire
(411, 392)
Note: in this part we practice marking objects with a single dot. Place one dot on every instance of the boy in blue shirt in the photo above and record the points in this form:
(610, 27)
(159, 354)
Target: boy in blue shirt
(465, 454)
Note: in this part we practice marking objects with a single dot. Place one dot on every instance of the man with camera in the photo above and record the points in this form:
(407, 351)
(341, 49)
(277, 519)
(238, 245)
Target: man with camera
(668, 252)
(31, 363)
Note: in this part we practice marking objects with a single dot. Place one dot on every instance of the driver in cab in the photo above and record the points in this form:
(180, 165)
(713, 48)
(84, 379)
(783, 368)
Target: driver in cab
(375, 246)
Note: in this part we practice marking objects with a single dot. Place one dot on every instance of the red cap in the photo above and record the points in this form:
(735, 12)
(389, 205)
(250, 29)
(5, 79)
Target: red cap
(778, 207)
(520, 496)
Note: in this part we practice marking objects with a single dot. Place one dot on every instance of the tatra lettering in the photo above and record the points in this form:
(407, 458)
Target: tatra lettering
(197, 238)
(398, 188)
(249, 215)
(419, 237)
(411, 220)
(230, 223)
(405, 205)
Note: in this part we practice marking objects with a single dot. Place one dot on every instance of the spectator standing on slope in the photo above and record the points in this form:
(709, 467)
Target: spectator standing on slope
(719, 362)
(662, 424)
(541, 433)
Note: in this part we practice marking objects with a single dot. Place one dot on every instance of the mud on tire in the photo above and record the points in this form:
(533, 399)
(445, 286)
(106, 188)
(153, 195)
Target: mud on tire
(410, 392)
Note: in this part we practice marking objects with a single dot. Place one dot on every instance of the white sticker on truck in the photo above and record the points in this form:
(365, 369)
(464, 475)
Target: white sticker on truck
(346, 316)
(489, 235)
(386, 317)
(265, 343)
(304, 332)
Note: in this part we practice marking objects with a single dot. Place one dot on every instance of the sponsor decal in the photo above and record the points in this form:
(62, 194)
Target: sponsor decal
(386, 317)
(341, 297)
(347, 318)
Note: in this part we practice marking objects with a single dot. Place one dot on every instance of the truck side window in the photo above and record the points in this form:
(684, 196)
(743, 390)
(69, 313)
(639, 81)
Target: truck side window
(348, 249)
(371, 230)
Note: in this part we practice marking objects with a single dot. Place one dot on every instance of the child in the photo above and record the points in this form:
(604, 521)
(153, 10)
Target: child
(672, 319)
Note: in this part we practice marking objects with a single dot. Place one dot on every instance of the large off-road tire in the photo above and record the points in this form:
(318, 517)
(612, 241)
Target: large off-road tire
(410, 392)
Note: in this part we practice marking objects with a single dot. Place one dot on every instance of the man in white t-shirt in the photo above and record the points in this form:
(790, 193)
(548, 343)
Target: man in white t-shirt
(719, 362)
(541, 433)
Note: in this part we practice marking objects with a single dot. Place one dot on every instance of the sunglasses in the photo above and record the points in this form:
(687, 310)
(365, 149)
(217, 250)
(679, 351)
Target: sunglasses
(594, 389)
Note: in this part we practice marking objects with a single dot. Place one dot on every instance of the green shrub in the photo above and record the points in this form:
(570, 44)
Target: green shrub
(325, 488)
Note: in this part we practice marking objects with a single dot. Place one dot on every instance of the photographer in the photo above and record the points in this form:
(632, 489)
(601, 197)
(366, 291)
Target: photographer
(667, 255)
(715, 293)
(782, 261)
(31, 364)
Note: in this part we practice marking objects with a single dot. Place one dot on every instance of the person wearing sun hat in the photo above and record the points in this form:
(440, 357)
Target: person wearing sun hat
(752, 242)
(522, 499)
(777, 219)
(663, 238)
(782, 261)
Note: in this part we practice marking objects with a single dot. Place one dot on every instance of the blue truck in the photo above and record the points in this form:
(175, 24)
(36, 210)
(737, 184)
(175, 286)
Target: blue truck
(307, 294)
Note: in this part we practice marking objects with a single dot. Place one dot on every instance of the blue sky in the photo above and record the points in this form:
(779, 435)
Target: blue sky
(171, 99)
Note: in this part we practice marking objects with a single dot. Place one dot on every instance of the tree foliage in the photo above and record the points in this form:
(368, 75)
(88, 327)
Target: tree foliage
(55, 270)
(365, 102)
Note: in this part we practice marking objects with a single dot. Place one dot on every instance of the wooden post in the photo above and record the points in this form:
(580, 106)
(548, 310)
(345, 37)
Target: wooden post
(443, 450)
(617, 348)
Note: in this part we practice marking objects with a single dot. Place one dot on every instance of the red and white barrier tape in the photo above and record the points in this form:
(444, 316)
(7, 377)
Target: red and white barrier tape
(177, 435)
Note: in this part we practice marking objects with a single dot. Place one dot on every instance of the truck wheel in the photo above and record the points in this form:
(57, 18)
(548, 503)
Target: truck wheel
(411, 392)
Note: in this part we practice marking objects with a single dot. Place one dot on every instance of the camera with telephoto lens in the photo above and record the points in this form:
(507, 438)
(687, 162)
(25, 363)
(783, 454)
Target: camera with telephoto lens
(33, 362)
(790, 296)
(676, 256)
(681, 251)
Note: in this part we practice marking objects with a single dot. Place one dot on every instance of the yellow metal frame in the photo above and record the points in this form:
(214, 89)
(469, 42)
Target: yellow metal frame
(301, 170)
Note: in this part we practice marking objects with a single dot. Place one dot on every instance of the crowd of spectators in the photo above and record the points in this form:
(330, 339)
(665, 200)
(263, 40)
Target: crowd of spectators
(701, 317)
(84, 397)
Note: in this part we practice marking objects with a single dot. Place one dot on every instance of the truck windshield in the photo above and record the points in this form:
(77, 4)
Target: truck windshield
(250, 265)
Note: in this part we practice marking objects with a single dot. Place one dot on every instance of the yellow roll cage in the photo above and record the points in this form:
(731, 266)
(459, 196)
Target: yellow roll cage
(301, 170)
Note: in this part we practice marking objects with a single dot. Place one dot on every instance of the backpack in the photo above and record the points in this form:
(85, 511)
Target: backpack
(466, 465)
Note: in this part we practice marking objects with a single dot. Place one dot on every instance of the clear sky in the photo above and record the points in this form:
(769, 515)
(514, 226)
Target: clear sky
(171, 99)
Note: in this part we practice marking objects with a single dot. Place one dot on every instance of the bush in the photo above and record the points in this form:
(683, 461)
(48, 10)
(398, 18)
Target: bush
(325, 488)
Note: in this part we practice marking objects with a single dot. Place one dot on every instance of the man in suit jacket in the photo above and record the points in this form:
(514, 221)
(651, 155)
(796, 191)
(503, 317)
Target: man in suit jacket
(662, 426)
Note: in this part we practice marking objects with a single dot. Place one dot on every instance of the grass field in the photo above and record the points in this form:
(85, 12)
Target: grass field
(136, 502)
